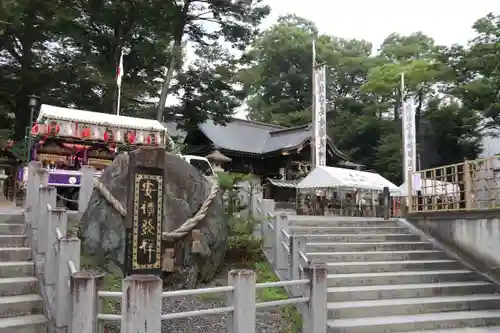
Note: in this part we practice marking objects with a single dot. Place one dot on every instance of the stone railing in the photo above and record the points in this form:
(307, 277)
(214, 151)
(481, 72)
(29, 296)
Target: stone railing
(284, 251)
(72, 297)
(38, 176)
(143, 296)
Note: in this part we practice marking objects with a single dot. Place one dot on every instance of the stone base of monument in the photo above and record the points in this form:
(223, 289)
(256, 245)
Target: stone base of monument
(106, 230)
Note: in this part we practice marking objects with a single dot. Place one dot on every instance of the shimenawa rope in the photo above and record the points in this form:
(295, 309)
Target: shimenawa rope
(181, 231)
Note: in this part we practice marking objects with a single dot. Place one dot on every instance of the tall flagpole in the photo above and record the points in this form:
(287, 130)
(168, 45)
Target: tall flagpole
(319, 105)
(403, 131)
(313, 106)
(118, 100)
(409, 141)
(119, 75)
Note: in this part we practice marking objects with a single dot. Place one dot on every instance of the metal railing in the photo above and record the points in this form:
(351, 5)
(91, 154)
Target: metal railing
(470, 185)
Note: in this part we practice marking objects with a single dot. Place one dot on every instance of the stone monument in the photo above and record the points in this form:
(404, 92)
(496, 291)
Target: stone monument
(195, 229)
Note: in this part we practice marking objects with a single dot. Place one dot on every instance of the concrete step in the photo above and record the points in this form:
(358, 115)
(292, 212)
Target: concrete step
(418, 322)
(360, 238)
(485, 329)
(298, 230)
(15, 253)
(365, 293)
(391, 266)
(11, 306)
(11, 228)
(16, 269)
(377, 255)
(16, 216)
(24, 324)
(409, 306)
(366, 246)
(13, 240)
(397, 278)
(344, 222)
(18, 286)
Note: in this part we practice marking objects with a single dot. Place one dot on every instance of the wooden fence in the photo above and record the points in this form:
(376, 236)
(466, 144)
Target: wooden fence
(73, 296)
(470, 185)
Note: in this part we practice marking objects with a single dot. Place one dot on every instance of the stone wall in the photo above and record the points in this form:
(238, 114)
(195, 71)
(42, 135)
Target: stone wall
(473, 234)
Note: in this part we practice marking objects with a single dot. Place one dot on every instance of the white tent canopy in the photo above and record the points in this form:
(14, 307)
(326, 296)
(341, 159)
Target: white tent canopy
(430, 187)
(330, 177)
(97, 118)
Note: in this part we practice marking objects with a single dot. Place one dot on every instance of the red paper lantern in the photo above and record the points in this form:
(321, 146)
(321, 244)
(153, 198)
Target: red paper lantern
(53, 128)
(35, 129)
(108, 135)
(130, 137)
(151, 140)
(85, 132)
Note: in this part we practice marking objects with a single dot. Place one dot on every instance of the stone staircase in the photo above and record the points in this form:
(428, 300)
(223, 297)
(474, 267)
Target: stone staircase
(21, 306)
(383, 278)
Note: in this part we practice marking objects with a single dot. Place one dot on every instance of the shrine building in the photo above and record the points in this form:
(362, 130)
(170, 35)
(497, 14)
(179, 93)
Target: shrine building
(276, 154)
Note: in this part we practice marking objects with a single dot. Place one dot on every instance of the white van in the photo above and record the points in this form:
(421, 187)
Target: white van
(200, 163)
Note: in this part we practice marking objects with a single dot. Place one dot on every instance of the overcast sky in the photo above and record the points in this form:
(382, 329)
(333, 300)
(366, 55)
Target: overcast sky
(447, 21)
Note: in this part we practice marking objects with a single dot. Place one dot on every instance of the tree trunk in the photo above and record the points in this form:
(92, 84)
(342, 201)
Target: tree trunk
(168, 78)
(176, 51)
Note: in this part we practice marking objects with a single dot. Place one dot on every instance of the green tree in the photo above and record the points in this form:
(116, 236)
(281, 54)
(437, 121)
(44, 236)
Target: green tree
(209, 88)
(453, 131)
(206, 22)
(27, 58)
(277, 77)
(477, 74)
(364, 92)
(278, 71)
(67, 52)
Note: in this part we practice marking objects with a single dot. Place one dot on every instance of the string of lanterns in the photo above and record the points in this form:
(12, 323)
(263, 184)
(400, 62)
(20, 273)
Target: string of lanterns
(107, 134)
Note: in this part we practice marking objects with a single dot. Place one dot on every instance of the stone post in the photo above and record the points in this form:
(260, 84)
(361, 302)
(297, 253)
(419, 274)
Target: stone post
(58, 219)
(280, 254)
(141, 304)
(47, 197)
(297, 244)
(69, 249)
(242, 320)
(86, 188)
(39, 177)
(315, 315)
(30, 185)
(387, 208)
(84, 288)
(267, 209)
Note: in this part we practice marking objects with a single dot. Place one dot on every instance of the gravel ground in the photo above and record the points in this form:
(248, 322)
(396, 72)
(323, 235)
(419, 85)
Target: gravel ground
(267, 320)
